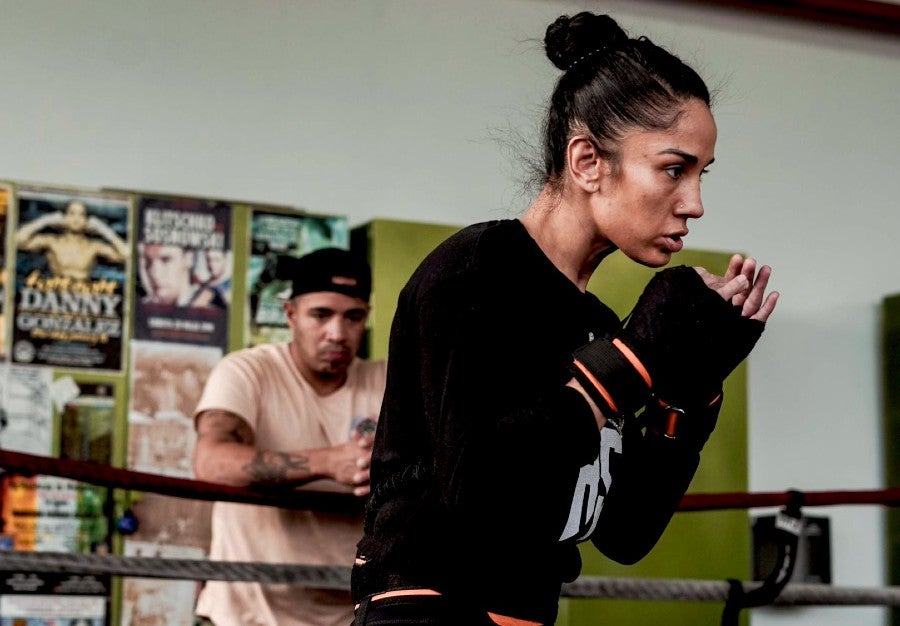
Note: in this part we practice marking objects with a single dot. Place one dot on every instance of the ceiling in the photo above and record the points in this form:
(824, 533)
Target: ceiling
(869, 15)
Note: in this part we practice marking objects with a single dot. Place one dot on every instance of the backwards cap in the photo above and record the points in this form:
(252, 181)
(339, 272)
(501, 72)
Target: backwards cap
(327, 269)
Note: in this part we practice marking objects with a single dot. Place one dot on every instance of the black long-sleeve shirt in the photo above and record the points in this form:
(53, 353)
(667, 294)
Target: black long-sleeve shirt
(487, 470)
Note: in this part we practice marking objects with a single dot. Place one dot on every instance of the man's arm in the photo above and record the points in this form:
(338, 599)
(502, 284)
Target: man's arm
(226, 453)
(26, 236)
(117, 250)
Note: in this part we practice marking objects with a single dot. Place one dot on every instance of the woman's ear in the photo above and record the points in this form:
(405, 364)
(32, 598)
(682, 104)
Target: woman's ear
(585, 163)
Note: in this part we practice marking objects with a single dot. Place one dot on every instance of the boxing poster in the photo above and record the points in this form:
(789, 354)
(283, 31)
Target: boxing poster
(184, 266)
(272, 235)
(72, 256)
(166, 382)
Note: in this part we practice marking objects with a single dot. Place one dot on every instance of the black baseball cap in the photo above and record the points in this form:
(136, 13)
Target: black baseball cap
(327, 269)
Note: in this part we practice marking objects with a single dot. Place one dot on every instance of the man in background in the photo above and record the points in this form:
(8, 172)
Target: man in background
(289, 415)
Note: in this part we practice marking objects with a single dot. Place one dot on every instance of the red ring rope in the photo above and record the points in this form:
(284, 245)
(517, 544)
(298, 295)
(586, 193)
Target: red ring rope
(105, 475)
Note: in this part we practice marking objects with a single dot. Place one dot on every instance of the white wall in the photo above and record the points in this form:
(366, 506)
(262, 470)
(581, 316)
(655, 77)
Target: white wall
(393, 108)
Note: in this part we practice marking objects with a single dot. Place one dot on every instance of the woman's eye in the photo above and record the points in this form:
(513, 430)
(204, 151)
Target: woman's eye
(675, 171)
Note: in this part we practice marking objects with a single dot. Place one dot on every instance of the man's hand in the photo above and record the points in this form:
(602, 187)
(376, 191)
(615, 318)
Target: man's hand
(95, 225)
(350, 463)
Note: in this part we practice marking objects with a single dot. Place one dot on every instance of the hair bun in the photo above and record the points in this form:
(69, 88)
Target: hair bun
(569, 39)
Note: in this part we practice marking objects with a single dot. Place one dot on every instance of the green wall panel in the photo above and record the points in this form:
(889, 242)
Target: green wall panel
(395, 249)
(698, 545)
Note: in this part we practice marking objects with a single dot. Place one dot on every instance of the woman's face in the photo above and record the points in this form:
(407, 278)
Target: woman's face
(649, 195)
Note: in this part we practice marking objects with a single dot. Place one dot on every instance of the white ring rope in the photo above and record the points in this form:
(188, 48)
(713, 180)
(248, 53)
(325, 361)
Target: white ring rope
(334, 577)
(319, 576)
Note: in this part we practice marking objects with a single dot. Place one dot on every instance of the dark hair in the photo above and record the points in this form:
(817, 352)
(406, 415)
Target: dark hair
(611, 83)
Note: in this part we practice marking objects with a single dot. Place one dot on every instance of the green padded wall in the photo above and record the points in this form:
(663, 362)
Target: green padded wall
(700, 545)
(891, 364)
(394, 249)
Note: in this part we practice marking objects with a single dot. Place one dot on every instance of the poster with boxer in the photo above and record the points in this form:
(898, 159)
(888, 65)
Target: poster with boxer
(273, 234)
(72, 258)
(184, 268)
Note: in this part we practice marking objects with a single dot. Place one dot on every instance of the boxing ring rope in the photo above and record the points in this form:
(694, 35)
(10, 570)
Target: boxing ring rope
(117, 478)
(335, 577)
(731, 592)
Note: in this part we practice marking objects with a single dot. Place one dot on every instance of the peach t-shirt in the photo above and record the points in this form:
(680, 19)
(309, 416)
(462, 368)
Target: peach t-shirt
(262, 385)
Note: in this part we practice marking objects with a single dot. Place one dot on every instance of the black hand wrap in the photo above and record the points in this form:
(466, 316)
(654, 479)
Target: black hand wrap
(692, 426)
(614, 383)
(686, 337)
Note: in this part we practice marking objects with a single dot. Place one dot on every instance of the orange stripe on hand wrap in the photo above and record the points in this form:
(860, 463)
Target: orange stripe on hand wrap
(598, 386)
(635, 362)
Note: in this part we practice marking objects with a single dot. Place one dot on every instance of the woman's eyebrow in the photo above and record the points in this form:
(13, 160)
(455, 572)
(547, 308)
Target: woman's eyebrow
(690, 158)
(687, 156)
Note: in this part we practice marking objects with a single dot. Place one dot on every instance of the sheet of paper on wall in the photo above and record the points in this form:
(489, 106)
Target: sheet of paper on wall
(26, 411)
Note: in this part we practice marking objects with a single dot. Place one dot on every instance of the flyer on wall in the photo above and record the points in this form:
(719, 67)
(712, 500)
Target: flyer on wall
(53, 514)
(72, 257)
(26, 412)
(184, 266)
(156, 600)
(273, 235)
(5, 200)
(87, 422)
(54, 599)
(166, 382)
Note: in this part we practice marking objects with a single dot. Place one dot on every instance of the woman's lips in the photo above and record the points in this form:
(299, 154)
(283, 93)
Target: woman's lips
(674, 243)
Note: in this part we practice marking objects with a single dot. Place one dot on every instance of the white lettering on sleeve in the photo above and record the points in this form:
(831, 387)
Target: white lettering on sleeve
(593, 484)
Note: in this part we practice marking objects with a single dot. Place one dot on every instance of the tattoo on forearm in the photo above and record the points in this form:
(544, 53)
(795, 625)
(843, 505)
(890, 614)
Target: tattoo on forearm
(274, 467)
(223, 426)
